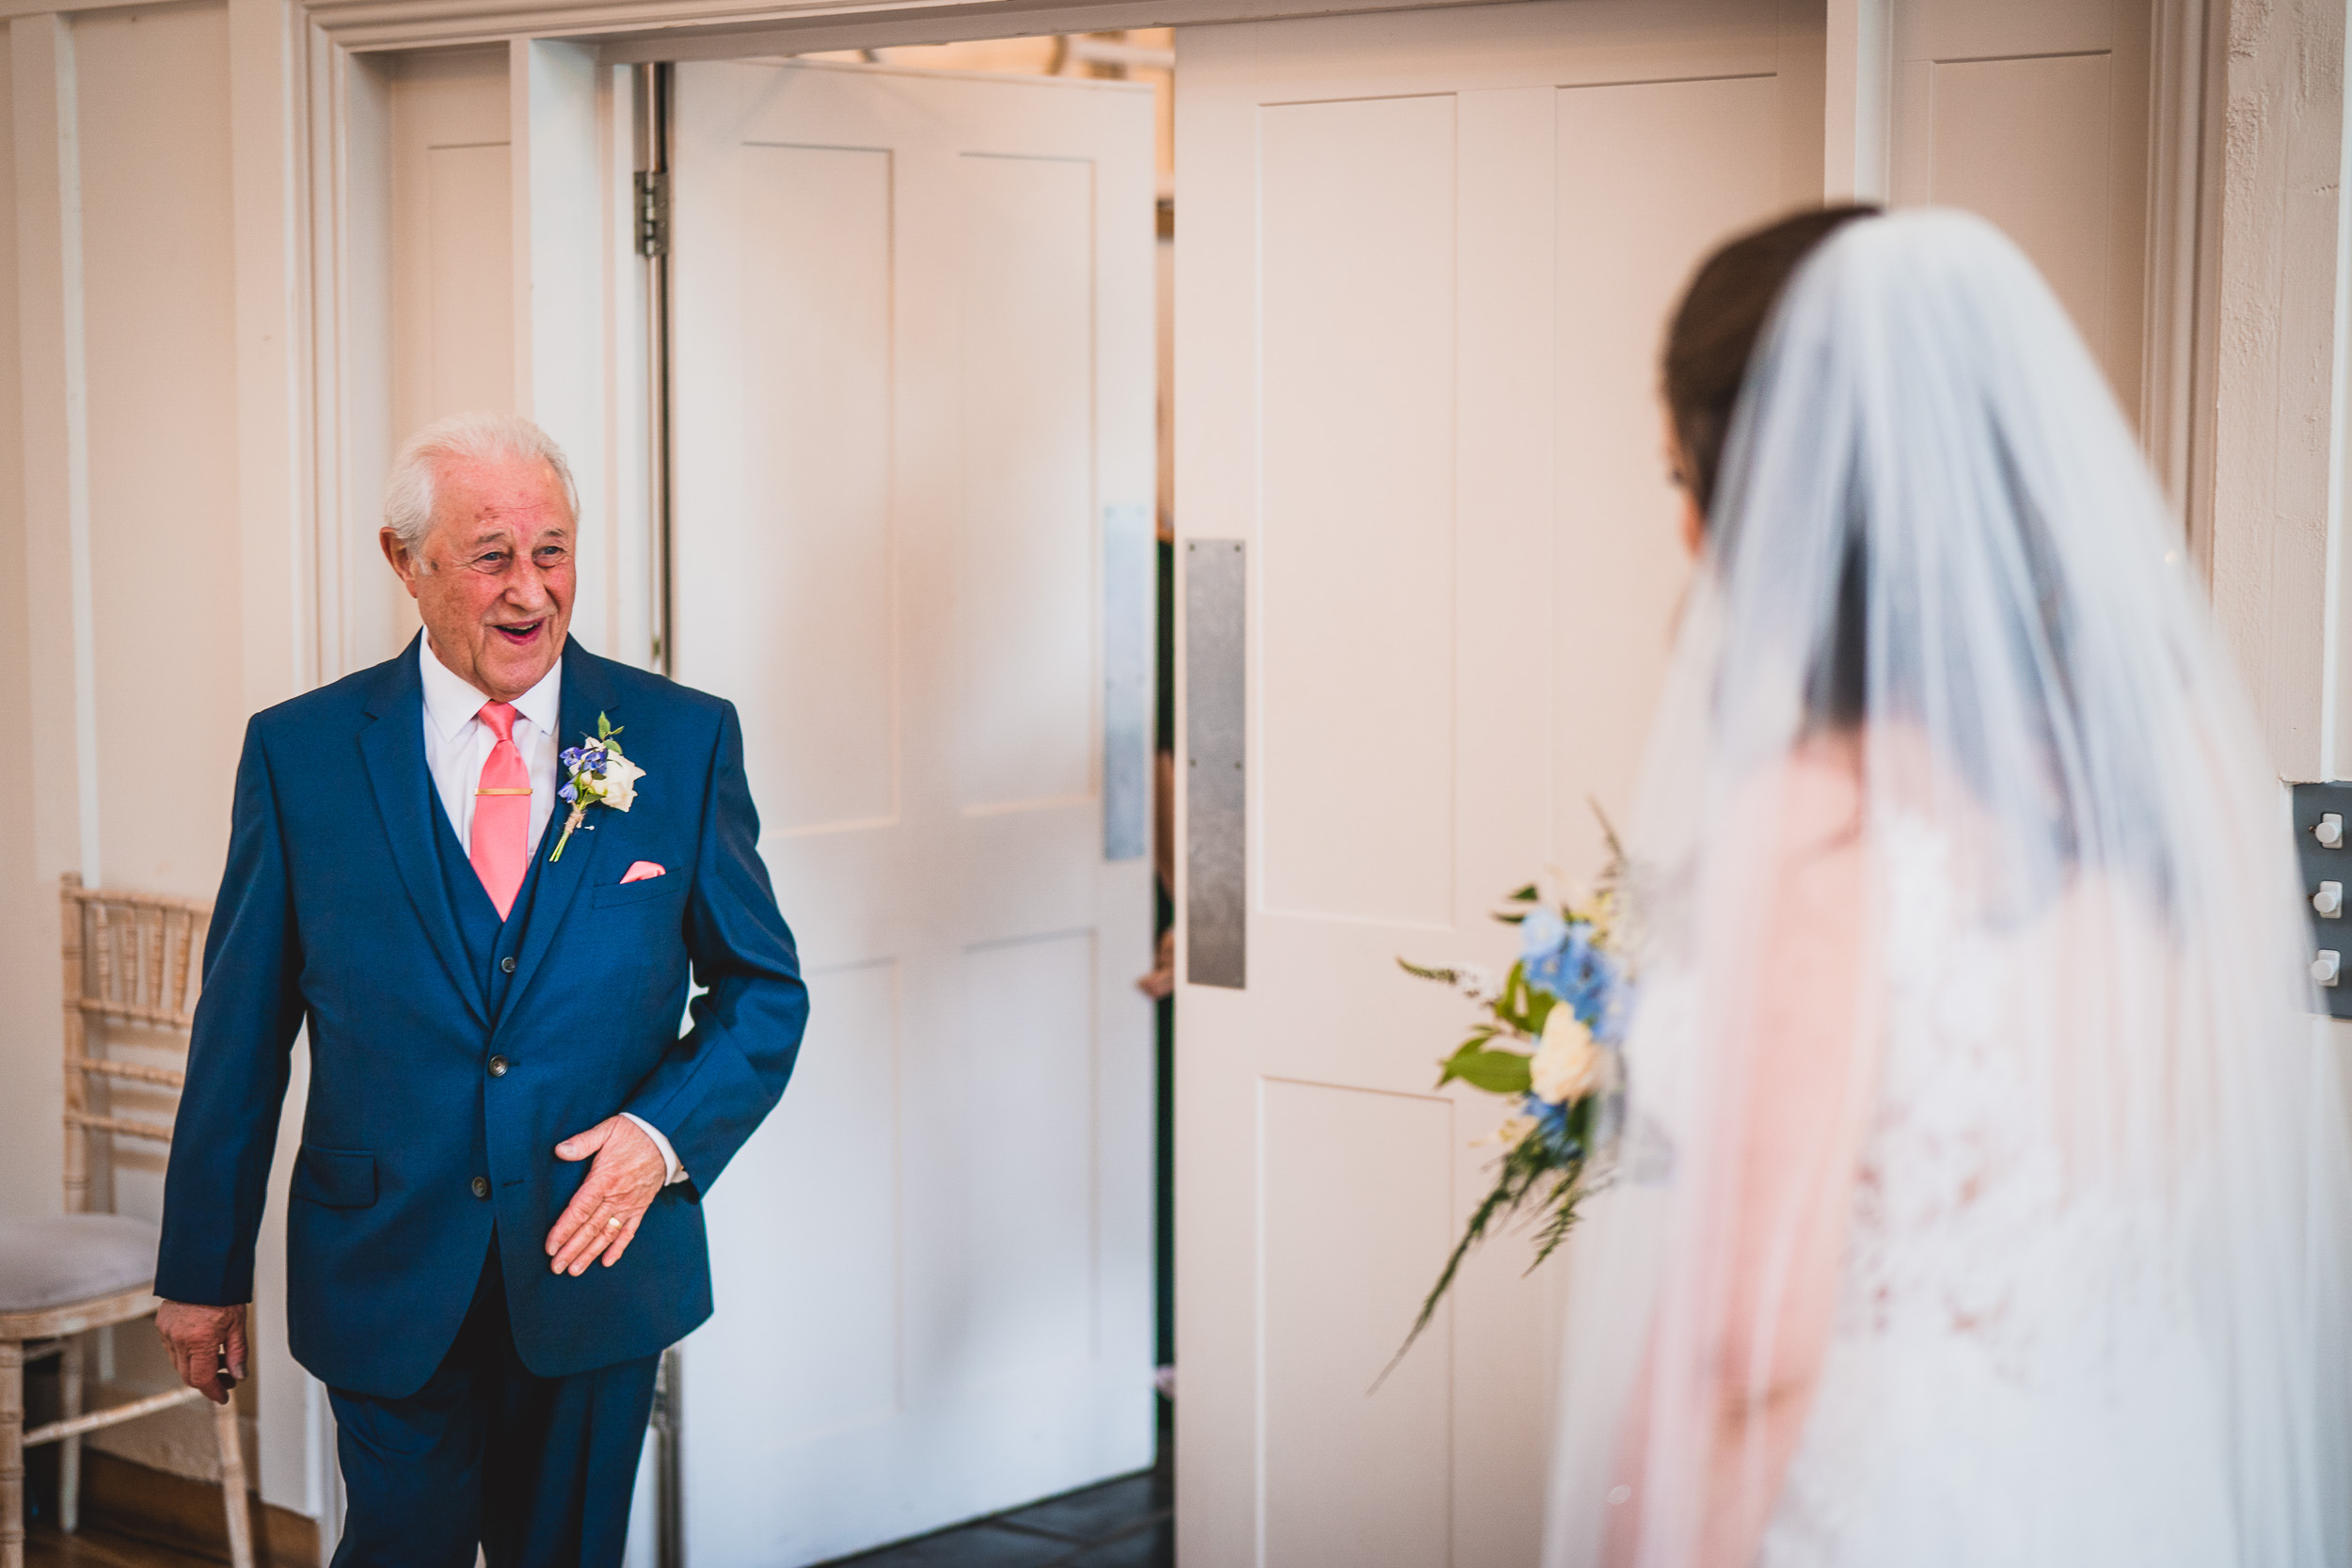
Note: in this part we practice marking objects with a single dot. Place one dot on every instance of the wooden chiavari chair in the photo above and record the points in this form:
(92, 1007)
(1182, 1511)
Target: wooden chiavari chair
(130, 959)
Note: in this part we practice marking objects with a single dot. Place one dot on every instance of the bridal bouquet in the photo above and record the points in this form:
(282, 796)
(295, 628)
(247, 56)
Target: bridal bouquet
(1547, 1040)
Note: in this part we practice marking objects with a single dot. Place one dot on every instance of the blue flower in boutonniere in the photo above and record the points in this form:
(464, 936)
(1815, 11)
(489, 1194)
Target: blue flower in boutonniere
(600, 776)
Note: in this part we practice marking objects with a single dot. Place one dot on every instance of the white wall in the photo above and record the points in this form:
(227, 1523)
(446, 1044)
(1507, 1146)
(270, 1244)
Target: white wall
(2278, 555)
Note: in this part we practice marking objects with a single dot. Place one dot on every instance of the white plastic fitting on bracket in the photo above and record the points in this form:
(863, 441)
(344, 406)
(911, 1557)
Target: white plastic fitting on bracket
(2329, 831)
(2329, 966)
(2329, 900)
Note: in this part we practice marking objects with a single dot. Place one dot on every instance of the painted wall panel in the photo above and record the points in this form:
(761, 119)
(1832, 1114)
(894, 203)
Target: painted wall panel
(159, 307)
(838, 1231)
(443, 206)
(1358, 1215)
(1020, 1222)
(814, 570)
(1359, 203)
(168, 617)
(2025, 143)
(1696, 160)
(1025, 614)
(2036, 116)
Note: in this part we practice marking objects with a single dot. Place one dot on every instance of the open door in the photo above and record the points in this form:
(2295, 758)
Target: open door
(1431, 570)
(914, 454)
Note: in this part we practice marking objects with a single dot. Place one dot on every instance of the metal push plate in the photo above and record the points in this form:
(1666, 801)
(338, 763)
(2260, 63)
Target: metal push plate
(1129, 610)
(2320, 864)
(1217, 936)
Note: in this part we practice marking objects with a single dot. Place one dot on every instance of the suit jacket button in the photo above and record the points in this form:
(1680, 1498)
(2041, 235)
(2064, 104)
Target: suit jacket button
(506, 966)
(497, 1066)
(482, 1186)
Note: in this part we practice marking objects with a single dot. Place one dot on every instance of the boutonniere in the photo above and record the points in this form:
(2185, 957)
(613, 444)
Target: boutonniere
(601, 777)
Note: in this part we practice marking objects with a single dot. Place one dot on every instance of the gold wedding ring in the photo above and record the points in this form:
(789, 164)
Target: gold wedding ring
(613, 1224)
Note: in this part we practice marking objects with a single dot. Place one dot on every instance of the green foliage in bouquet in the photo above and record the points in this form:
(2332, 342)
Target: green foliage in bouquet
(1549, 1040)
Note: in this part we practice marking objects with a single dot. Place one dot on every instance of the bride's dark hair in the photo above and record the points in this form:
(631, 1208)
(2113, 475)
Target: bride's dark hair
(1709, 345)
(1714, 330)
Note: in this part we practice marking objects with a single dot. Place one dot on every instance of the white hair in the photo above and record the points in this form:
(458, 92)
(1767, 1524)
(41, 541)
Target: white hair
(482, 435)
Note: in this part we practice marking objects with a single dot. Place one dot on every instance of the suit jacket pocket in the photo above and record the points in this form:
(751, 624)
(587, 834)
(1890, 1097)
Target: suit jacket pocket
(335, 1178)
(630, 893)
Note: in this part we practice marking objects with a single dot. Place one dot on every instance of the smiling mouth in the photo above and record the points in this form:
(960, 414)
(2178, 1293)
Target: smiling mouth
(520, 636)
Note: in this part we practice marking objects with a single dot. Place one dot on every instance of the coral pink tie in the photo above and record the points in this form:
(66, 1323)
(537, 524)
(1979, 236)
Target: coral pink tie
(500, 846)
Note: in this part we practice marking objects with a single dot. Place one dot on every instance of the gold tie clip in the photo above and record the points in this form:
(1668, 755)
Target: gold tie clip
(502, 792)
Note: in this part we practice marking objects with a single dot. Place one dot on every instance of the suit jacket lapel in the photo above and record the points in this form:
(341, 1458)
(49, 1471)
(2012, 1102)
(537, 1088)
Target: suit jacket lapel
(393, 747)
(585, 695)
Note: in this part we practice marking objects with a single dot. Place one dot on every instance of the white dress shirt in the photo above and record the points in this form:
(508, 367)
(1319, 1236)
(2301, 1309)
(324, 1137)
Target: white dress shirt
(457, 743)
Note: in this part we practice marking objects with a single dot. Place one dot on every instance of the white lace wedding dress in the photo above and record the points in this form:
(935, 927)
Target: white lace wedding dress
(2014, 1382)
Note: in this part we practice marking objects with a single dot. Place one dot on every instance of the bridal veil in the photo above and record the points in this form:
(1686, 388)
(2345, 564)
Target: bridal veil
(2093, 1303)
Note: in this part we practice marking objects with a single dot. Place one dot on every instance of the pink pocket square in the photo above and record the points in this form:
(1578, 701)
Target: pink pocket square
(642, 871)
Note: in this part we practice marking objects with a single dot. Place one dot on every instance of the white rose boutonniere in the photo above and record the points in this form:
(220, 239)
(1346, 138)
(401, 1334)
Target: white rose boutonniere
(600, 776)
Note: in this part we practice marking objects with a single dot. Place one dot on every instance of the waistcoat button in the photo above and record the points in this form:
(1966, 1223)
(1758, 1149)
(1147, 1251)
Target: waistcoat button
(497, 1066)
(506, 966)
(482, 1186)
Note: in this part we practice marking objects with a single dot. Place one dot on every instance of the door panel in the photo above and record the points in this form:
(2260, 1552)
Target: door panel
(1424, 263)
(913, 380)
(2035, 113)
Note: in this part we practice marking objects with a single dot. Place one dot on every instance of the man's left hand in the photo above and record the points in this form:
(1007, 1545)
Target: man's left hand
(603, 1215)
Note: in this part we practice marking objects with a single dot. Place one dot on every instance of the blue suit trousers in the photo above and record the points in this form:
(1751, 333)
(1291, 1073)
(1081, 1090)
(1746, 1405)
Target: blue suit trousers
(538, 1471)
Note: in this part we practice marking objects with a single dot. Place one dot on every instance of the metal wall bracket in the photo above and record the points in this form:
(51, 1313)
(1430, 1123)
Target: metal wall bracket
(2323, 851)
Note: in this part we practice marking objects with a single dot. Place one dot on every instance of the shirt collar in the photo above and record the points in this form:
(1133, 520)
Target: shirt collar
(450, 701)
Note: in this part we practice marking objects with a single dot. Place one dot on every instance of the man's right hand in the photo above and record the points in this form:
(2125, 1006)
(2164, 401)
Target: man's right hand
(195, 1336)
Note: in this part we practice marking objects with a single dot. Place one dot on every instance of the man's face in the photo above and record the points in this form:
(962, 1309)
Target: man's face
(495, 584)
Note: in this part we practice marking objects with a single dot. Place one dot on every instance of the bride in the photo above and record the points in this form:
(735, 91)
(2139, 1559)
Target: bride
(1982, 1193)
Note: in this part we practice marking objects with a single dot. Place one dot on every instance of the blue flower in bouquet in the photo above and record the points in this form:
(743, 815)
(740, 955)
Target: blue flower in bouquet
(1563, 961)
(1551, 1124)
(1541, 932)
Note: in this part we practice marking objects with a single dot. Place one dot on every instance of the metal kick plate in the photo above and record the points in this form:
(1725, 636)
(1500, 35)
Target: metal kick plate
(1215, 781)
(1129, 608)
(2319, 864)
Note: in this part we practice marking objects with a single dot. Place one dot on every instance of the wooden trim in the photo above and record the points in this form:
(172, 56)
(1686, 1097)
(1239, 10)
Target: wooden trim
(850, 25)
(76, 1317)
(1856, 127)
(717, 29)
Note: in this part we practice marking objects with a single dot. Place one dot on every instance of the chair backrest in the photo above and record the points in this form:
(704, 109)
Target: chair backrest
(131, 958)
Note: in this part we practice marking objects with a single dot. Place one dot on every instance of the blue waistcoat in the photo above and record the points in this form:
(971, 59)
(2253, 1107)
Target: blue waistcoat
(488, 940)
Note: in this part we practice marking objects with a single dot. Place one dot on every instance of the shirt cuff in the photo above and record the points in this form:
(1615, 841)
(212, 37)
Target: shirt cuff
(669, 1155)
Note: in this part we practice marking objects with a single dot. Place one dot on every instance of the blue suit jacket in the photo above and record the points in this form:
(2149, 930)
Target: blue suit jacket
(333, 912)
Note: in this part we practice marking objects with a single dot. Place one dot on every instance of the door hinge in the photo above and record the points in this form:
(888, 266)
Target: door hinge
(653, 212)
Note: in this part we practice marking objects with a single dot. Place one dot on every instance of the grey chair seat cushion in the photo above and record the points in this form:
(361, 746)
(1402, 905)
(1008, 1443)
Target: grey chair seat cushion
(71, 1258)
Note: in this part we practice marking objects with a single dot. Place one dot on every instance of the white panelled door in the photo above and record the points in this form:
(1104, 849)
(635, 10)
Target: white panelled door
(913, 416)
(1425, 260)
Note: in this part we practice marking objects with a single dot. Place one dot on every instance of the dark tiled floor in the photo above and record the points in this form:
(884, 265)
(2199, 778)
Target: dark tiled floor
(1120, 1524)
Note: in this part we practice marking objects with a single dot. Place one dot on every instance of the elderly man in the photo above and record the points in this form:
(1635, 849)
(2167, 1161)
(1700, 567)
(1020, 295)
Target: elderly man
(488, 922)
